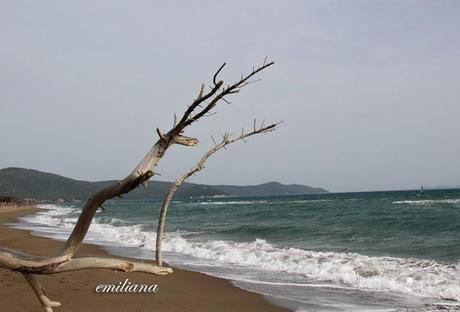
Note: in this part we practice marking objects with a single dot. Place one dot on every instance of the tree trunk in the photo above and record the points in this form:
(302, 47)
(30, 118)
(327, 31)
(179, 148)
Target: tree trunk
(32, 265)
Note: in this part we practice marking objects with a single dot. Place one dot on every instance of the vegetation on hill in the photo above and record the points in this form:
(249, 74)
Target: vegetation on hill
(32, 184)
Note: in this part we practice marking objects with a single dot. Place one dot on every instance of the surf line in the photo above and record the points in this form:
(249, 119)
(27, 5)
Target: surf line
(126, 287)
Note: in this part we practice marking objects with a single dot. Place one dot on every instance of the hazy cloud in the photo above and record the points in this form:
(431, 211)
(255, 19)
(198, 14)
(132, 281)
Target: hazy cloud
(368, 90)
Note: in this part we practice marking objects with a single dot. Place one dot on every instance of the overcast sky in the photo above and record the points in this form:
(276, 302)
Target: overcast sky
(368, 90)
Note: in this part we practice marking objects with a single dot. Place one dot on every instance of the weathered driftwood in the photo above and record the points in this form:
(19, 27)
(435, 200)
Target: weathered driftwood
(226, 140)
(32, 265)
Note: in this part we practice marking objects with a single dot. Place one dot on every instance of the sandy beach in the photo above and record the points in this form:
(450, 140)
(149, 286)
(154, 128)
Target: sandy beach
(180, 291)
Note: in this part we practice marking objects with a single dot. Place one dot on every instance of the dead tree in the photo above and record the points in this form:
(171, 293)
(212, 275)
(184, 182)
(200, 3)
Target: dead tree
(62, 261)
(227, 139)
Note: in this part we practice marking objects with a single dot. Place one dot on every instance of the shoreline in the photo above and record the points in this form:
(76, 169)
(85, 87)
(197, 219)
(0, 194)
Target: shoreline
(181, 291)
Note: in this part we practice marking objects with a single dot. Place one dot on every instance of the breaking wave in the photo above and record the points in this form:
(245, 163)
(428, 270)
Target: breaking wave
(240, 202)
(425, 202)
(425, 278)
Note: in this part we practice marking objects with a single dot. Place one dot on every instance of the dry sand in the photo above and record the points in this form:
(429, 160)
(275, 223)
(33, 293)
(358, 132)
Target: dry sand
(180, 291)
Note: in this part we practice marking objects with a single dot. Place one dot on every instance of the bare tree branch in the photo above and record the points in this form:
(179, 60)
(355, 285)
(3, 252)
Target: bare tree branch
(226, 140)
(217, 73)
(144, 170)
(107, 263)
(47, 304)
(234, 88)
(31, 265)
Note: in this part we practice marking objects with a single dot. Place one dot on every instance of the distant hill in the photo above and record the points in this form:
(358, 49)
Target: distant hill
(28, 183)
(270, 188)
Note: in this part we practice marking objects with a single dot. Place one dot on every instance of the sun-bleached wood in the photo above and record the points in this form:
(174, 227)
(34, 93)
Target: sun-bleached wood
(47, 304)
(226, 140)
(108, 263)
(62, 261)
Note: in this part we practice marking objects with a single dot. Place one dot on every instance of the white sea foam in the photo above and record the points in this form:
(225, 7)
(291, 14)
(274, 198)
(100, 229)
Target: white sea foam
(240, 202)
(424, 278)
(424, 202)
(301, 201)
(317, 285)
(255, 202)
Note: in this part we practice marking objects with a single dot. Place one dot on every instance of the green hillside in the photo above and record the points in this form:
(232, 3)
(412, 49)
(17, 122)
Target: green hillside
(269, 188)
(28, 183)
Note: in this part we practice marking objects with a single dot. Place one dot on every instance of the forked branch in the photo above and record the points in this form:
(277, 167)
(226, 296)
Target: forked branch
(145, 169)
(47, 304)
(32, 265)
(227, 139)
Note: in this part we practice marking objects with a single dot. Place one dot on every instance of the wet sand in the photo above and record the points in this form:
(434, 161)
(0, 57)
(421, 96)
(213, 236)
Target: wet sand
(180, 291)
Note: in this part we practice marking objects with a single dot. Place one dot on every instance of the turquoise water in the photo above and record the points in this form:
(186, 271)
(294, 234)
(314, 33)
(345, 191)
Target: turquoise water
(402, 224)
(379, 251)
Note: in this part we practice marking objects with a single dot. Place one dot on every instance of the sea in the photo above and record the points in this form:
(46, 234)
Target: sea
(373, 251)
